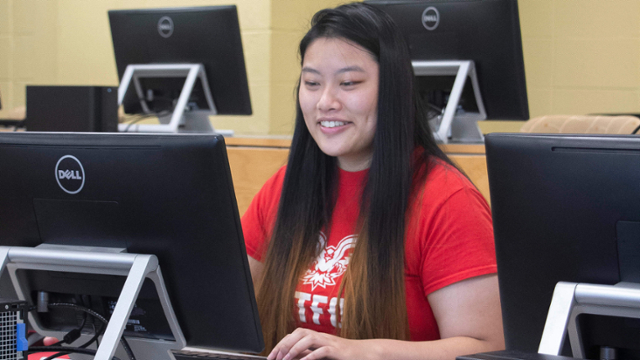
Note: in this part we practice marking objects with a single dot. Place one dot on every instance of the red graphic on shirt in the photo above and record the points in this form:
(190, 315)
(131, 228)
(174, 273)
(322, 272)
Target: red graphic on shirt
(331, 263)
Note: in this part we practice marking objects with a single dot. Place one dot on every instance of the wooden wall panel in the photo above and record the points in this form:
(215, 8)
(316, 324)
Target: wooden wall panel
(251, 167)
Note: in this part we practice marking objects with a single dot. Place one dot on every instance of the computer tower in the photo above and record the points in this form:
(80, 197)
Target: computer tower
(12, 329)
(72, 108)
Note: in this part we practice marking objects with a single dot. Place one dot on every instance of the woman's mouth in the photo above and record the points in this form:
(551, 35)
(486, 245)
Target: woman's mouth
(332, 124)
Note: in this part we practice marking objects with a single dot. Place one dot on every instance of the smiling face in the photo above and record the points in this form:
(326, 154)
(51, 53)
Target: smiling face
(338, 97)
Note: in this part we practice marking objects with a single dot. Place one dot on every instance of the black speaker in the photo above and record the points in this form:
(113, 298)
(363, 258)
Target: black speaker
(72, 108)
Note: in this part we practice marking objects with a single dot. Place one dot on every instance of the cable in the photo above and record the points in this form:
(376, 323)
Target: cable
(123, 341)
(95, 331)
(95, 337)
(58, 354)
(65, 349)
(83, 346)
(85, 300)
(636, 130)
(72, 335)
(145, 116)
(135, 121)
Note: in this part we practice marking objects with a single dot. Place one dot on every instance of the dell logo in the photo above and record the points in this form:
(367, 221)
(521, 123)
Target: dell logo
(70, 174)
(165, 26)
(430, 18)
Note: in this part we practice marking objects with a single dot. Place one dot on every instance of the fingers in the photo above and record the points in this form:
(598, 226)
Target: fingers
(311, 341)
(284, 346)
(300, 343)
(324, 352)
(49, 341)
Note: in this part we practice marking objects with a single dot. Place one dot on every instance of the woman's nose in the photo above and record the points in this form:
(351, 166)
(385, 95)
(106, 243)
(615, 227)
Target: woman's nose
(329, 100)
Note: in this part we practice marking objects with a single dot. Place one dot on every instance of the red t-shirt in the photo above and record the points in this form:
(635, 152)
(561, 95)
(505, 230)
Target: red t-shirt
(449, 238)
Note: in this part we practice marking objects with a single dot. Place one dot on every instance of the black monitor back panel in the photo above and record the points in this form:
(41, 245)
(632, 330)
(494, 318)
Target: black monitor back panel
(565, 208)
(209, 35)
(485, 31)
(167, 195)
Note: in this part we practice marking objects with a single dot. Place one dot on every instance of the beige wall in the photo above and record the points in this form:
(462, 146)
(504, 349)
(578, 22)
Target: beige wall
(27, 47)
(581, 56)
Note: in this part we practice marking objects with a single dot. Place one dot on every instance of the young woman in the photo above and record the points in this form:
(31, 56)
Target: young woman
(369, 244)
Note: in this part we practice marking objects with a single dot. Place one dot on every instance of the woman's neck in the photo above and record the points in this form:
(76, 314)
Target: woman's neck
(355, 163)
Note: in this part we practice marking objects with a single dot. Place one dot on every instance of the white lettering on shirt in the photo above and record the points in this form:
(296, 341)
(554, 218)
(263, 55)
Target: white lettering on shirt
(302, 297)
(332, 311)
(316, 307)
(317, 311)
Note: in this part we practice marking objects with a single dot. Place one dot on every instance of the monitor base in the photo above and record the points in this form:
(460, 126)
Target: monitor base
(452, 124)
(572, 299)
(180, 120)
(95, 260)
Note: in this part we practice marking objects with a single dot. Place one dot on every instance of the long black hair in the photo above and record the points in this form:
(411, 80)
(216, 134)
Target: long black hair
(403, 146)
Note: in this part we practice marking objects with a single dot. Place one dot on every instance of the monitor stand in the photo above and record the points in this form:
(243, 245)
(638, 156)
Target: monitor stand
(95, 260)
(572, 299)
(455, 126)
(180, 120)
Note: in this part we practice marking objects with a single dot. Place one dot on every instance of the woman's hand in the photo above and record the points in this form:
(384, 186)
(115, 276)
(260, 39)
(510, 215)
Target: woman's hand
(307, 344)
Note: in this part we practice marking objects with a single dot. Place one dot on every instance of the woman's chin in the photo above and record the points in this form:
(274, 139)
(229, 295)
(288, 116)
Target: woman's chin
(331, 148)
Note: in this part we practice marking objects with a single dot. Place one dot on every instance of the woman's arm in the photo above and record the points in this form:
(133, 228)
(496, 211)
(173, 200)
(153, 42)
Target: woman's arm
(468, 316)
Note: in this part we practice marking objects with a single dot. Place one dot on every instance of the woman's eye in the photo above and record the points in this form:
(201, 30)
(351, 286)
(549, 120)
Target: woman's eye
(349, 83)
(311, 83)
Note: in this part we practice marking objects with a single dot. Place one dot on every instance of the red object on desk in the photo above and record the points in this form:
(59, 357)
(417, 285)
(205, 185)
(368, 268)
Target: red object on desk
(43, 355)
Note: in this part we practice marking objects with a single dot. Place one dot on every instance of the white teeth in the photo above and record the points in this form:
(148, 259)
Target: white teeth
(330, 124)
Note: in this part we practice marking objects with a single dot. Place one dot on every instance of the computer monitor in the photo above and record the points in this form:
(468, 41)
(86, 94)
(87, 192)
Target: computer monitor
(565, 208)
(484, 31)
(198, 35)
(166, 195)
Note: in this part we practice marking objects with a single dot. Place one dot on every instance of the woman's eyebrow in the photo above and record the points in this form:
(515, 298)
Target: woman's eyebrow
(350, 68)
(343, 70)
(310, 70)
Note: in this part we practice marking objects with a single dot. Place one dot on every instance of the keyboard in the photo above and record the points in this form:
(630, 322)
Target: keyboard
(206, 355)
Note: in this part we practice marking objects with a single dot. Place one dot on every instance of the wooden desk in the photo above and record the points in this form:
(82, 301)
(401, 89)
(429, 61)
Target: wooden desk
(254, 160)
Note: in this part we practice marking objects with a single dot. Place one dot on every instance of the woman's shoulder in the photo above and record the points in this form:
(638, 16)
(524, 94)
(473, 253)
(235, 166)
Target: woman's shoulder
(444, 179)
(444, 187)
